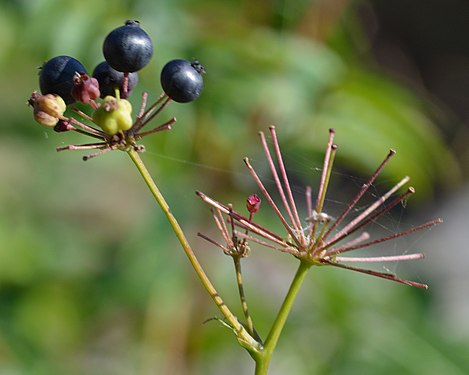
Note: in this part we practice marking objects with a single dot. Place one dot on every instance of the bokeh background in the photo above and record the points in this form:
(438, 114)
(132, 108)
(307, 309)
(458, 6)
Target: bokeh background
(92, 281)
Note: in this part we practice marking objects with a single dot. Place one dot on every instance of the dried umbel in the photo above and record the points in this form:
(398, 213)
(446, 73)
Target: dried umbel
(319, 241)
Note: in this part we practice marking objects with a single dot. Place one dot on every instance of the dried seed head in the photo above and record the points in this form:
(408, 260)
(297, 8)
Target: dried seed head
(319, 243)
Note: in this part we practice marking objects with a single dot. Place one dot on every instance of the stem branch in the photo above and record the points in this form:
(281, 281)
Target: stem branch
(242, 296)
(263, 360)
(244, 338)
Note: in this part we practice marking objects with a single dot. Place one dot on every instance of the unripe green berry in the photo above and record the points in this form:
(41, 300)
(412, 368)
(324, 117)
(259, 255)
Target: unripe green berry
(113, 115)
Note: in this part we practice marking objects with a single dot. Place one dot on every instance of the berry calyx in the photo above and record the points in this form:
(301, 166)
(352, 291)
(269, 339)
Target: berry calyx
(85, 88)
(128, 48)
(182, 80)
(56, 76)
(114, 115)
(47, 108)
(63, 126)
(110, 79)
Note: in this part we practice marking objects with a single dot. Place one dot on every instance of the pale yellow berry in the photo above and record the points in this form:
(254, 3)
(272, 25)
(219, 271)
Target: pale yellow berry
(45, 119)
(47, 108)
(113, 115)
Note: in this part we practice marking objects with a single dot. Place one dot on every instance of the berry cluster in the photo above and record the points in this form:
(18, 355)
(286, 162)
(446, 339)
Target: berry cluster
(63, 81)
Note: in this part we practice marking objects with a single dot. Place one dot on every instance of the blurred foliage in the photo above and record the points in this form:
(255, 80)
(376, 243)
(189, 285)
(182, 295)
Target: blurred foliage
(91, 279)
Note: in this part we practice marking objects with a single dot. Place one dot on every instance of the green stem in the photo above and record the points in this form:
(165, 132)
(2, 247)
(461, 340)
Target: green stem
(242, 296)
(244, 338)
(262, 365)
(263, 360)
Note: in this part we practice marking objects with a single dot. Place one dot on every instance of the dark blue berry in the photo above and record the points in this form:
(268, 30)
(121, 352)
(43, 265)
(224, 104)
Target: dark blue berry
(109, 79)
(56, 76)
(182, 80)
(128, 48)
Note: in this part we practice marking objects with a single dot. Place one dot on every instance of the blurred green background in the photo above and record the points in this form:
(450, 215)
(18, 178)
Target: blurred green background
(92, 281)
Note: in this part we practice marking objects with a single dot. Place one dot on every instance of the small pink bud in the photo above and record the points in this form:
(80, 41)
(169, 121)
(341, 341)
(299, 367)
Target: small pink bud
(85, 88)
(253, 203)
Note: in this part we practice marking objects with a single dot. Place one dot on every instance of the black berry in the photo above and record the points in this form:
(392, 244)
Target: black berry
(109, 79)
(182, 80)
(128, 48)
(56, 76)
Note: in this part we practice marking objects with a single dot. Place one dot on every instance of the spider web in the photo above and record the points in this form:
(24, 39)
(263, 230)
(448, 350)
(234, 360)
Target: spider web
(304, 171)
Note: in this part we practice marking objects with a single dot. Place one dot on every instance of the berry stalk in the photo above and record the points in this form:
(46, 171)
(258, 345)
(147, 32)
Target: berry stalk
(242, 335)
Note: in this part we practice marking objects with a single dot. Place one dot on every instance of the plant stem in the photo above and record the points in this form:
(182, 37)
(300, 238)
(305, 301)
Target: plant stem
(244, 338)
(263, 360)
(242, 296)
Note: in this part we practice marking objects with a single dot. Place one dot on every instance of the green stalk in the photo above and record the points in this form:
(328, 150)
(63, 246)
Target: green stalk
(244, 338)
(242, 296)
(263, 359)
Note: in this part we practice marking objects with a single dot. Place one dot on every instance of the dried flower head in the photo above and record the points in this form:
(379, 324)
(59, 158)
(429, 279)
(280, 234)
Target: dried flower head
(233, 246)
(319, 241)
